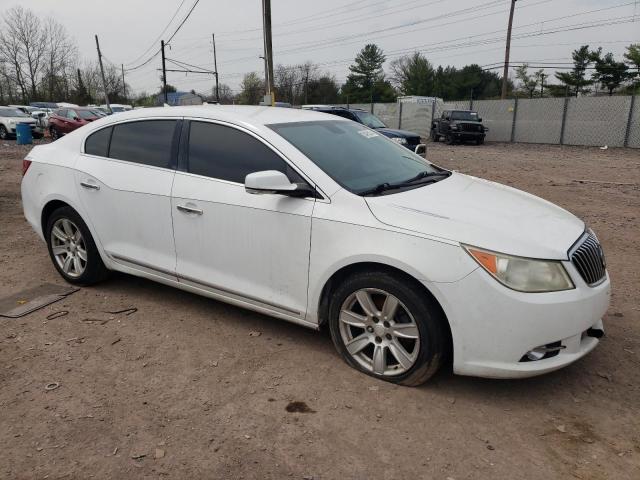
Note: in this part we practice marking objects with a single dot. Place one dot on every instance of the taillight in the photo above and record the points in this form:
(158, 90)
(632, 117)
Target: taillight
(25, 166)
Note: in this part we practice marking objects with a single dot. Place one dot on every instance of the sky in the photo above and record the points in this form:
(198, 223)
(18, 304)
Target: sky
(331, 32)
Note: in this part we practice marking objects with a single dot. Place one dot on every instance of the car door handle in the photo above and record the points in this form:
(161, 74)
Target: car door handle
(90, 186)
(185, 209)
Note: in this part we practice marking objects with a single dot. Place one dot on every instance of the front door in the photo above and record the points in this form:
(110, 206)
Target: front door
(253, 249)
(124, 181)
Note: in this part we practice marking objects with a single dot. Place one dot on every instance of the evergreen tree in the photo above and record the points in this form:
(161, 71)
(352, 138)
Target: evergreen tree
(576, 79)
(366, 82)
(609, 73)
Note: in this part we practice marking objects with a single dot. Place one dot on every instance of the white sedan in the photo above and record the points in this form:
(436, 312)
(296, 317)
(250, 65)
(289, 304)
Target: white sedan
(318, 220)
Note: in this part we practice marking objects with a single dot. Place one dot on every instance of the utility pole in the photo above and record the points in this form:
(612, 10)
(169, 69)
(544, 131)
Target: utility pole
(124, 85)
(505, 72)
(215, 66)
(104, 82)
(164, 72)
(268, 51)
(542, 75)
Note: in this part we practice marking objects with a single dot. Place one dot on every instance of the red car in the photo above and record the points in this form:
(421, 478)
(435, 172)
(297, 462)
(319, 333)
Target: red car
(66, 120)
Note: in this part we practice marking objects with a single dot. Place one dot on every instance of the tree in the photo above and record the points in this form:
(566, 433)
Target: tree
(413, 75)
(632, 57)
(528, 82)
(576, 78)
(252, 88)
(366, 82)
(80, 95)
(323, 90)
(225, 93)
(609, 73)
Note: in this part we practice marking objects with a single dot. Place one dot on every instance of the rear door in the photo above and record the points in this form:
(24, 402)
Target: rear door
(124, 179)
(249, 248)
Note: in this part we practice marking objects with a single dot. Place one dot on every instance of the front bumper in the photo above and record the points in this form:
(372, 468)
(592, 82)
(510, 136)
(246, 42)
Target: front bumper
(493, 327)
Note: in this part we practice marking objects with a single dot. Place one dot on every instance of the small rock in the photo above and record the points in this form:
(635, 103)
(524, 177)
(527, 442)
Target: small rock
(159, 453)
(561, 428)
(490, 447)
(307, 477)
(214, 363)
(254, 333)
(247, 437)
(451, 400)
(374, 388)
(618, 314)
(138, 456)
(588, 440)
(604, 375)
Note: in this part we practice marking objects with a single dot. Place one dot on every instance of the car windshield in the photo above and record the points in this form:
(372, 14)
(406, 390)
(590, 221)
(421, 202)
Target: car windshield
(12, 112)
(370, 120)
(357, 158)
(86, 114)
(469, 116)
(117, 109)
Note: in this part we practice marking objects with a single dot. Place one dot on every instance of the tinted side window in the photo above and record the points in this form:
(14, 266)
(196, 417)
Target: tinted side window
(61, 113)
(71, 114)
(98, 143)
(147, 142)
(225, 153)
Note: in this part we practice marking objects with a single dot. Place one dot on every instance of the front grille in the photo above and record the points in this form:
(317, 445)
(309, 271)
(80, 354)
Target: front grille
(471, 127)
(588, 258)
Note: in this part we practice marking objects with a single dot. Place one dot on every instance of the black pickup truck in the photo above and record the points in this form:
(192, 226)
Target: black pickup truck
(458, 126)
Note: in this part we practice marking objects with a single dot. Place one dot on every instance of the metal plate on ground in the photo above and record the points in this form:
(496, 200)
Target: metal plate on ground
(27, 301)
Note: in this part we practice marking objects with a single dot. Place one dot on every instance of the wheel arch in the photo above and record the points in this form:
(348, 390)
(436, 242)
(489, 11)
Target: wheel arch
(367, 266)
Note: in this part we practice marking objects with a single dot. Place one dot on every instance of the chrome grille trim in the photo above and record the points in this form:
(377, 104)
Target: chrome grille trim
(588, 259)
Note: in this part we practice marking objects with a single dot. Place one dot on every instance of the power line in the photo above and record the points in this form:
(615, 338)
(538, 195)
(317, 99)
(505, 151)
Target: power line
(155, 42)
(183, 21)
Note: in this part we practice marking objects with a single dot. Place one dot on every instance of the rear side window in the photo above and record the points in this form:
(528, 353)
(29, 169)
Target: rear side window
(146, 142)
(98, 143)
(225, 153)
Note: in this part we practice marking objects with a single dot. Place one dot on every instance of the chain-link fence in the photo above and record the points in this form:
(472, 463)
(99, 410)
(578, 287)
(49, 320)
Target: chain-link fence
(592, 121)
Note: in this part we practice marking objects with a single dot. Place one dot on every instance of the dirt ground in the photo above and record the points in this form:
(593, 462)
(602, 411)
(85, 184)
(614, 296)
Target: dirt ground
(185, 388)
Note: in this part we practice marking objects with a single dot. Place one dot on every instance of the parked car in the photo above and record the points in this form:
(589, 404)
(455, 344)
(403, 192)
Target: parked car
(10, 117)
(407, 139)
(66, 120)
(459, 126)
(40, 114)
(316, 220)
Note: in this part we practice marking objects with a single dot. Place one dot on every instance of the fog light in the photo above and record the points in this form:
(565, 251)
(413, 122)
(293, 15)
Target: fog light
(544, 351)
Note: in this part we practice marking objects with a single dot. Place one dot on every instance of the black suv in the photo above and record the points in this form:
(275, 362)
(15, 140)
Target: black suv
(458, 125)
(402, 137)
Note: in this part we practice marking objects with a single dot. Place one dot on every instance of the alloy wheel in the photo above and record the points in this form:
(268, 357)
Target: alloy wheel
(379, 332)
(69, 248)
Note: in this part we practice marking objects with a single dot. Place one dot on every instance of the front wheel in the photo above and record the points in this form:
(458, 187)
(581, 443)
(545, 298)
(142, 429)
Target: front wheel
(434, 135)
(387, 328)
(449, 140)
(72, 249)
(480, 141)
(4, 134)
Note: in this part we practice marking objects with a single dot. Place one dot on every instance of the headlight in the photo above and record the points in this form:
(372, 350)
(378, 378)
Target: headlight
(523, 274)
(399, 140)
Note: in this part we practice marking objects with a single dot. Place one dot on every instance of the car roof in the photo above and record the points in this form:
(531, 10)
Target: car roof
(232, 113)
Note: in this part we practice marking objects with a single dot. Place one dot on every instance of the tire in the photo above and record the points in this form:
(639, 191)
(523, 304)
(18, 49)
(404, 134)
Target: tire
(4, 133)
(434, 135)
(371, 345)
(55, 135)
(449, 140)
(480, 141)
(85, 266)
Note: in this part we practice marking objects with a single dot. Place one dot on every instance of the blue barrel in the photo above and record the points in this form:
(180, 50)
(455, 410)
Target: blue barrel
(23, 134)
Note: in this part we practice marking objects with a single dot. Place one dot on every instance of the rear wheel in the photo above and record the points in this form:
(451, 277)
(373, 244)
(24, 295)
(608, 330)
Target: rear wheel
(72, 249)
(434, 135)
(54, 133)
(4, 134)
(387, 328)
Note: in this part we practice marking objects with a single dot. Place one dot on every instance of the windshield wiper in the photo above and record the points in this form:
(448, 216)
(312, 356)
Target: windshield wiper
(427, 174)
(417, 180)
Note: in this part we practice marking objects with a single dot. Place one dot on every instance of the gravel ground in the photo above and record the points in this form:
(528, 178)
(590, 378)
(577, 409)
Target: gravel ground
(187, 387)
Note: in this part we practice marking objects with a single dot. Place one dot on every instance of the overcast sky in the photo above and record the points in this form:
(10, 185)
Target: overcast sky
(331, 32)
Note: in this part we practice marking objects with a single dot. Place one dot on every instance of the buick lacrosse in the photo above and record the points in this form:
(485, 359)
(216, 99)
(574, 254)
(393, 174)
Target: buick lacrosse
(319, 220)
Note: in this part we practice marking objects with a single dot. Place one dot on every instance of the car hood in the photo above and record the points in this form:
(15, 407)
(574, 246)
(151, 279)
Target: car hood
(392, 132)
(478, 212)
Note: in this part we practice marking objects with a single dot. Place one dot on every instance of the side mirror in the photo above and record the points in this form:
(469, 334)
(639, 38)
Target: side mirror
(274, 182)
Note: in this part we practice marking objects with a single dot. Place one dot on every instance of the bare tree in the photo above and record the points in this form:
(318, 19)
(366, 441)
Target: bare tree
(60, 55)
